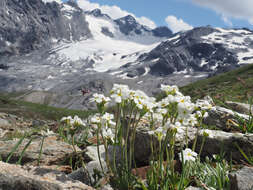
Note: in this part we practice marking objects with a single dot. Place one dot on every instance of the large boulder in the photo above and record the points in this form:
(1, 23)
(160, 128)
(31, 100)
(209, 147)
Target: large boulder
(242, 179)
(219, 141)
(216, 142)
(219, 117)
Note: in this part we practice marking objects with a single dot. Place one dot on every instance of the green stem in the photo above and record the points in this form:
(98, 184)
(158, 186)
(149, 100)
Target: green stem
(41, 146)
(115, 138)
(202, 145)
(98, 151)
(73, 144)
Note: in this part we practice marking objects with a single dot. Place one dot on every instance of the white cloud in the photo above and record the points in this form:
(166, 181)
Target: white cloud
(114, 11)
(239, 9)
(227, 21)
(176, 24)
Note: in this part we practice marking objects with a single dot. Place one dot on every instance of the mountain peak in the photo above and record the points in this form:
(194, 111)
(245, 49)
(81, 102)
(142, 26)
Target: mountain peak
(129, 19)
(97, 13)
(162, 31)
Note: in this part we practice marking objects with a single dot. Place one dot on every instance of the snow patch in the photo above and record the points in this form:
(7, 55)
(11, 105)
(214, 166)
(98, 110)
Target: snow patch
(181, 72)
(203, 62)
(245, 57)
(124, 76)
(147, 69)
(50, 1)
(174, 38)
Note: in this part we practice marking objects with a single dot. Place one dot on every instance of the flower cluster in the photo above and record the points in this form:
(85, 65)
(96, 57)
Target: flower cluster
(74, 122)
(187, 155)
(105, 123)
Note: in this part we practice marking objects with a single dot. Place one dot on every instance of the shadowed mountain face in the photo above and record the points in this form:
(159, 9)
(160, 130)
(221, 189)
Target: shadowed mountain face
(27, 25)
(61, 49)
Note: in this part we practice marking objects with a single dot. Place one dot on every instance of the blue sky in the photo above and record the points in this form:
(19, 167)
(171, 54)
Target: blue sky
(183, 14)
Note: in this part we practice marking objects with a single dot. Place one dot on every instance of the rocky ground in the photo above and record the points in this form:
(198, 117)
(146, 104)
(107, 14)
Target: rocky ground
(53, 170)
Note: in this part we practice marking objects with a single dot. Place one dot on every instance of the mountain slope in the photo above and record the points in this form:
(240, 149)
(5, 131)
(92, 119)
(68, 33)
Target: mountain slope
(203, 49)
(236, 85)
(28, 25)
(60, 49)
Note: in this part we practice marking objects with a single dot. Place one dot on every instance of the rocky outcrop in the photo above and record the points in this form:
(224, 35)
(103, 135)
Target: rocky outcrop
(30, 178)
(240, 107)
(221, 118)
(54, 152)
(215, 143)
(242, 179)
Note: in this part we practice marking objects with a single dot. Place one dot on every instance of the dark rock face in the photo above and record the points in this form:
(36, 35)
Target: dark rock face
(97, 13)
(128, 24)
(162, 31)
(189, 53)
(27, 25)
(107, 32)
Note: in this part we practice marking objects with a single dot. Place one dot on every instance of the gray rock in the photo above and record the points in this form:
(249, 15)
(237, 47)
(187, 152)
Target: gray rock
(94, 164)
(81, 175)
(4, 123)
(30, 178)
(219, 116)
(218, 141)
(8, 182)
(143, 139)
(38, 123)
(242, 179)
(53, 152)
(240, 107)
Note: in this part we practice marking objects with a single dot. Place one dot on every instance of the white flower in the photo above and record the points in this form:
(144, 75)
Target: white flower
(47, 133)
(164, 102)
(100, 98)
(107, 119)
(177, 126)
(162, 111)
(117, 97)
(192, 120)
(157, 117)
(107, 133)
(185, 109)
(96, 119)
(66, 119)
(169, 89)
(206, 132)
(120, 92)
(107, 116)
(200, 114)
(203, 104)
(76, 121)
(188, 155)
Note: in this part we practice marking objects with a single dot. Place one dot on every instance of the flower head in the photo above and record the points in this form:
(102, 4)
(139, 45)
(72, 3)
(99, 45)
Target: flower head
(206, 133)
(120, 92)
(188, 155)
(96, 119)
(47, 133)
(66, 119)
(76, 121)
(169, 89)
(100, 98)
